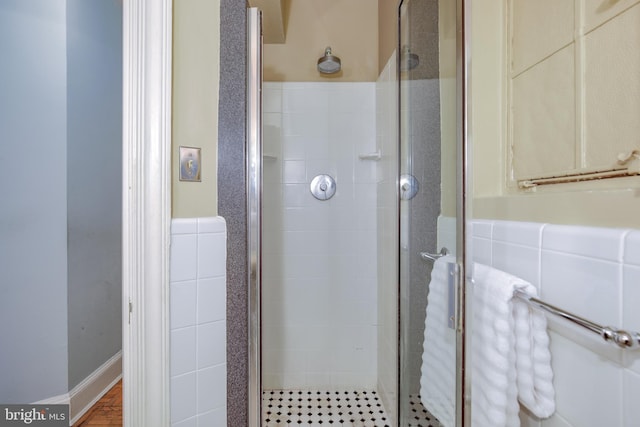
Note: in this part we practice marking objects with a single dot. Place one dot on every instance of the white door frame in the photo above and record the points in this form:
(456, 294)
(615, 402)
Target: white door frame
(146, 217)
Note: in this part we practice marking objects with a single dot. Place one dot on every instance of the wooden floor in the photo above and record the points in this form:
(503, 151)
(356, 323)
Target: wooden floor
(107, 411)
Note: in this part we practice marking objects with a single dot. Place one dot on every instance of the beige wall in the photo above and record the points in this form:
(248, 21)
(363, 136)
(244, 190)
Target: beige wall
(274, 19)
(611, 203)
(448, 106)
(387, 31)
(350, 27)
(486, 81)
(196, 53)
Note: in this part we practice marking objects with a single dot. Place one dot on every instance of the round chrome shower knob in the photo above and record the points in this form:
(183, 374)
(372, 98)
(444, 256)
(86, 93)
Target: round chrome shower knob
(323, 187)
(408, 187)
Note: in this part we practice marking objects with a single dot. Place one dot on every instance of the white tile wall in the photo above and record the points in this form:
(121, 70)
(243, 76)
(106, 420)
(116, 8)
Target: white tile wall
(198, 322)
(595, 273)
(319, 265)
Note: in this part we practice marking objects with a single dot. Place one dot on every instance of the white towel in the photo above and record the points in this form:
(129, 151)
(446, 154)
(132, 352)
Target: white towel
(510, 351)
(438, 372)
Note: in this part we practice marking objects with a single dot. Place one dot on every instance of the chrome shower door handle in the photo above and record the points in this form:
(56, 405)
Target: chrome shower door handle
(432, 257)
(452, 280)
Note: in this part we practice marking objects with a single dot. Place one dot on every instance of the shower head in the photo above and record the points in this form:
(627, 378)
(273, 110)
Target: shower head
(408, 60)
(329, 64)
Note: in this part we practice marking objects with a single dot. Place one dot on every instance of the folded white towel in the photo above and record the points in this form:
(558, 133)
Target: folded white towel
(510, 351)
(438, 371)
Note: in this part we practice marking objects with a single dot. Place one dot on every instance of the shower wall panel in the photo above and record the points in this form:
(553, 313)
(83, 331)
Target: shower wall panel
(319, 257)
(387, 217)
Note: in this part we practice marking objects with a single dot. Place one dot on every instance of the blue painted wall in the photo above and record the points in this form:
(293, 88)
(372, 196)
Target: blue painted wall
(33, 209)
(60, 183)
(94, 183)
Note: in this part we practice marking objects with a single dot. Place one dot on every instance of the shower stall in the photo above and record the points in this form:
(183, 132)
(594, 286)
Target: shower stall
(353, 193)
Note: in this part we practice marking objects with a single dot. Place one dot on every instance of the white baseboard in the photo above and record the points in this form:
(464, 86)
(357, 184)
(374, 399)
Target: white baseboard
(62, 399)
(91, 389)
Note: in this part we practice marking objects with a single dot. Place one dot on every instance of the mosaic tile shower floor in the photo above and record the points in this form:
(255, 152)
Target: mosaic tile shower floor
(419, 416)
(284, 408)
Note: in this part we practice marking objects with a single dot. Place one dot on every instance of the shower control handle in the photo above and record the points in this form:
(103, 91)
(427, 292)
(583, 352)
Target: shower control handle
(323, 187)
(408, 187)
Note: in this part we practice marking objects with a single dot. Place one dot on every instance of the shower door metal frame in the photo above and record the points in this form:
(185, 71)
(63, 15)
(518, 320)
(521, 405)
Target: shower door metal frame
(463, 191)
(465, 194)
(254, 210)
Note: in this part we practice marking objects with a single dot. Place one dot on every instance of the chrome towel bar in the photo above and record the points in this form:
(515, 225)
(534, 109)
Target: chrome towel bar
(622, 339)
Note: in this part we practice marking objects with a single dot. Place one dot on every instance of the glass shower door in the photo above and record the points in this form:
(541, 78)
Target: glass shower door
(431, 247)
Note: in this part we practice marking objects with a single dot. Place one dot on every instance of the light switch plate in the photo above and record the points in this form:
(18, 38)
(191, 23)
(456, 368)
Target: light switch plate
(190, 164)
